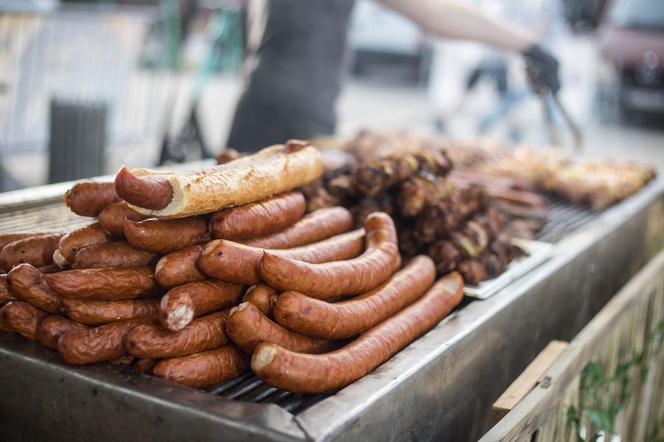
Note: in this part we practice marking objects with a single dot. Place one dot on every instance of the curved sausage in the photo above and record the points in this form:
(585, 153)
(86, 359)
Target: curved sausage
(182, 304)
(22, 318)
(262, 296)
(11, 237)
(305, 373)
(5, 294)
(153, 341)
(36, 250)
(320, 319)
(380, 259)
(103, 284)
(74, 241)
(52, 327)
(258, 219)
(165, 235)
(113, 216)
(88, 198)
(29, 285)
(112, 254)
(314, 227)
(179, 267)
(203, 369)
(247, 326)
(151, 192)
(103, 312)
(238, 263)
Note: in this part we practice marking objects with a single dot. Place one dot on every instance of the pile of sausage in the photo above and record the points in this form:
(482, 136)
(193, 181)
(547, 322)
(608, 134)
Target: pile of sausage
(305, 301)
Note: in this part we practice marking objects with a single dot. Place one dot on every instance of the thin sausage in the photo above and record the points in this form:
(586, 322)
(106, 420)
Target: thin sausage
(29, 285)
(262, 296)
(22, 318)
(339, 278)
(112, 254)
(234, 262)
(5, 294)
(320, 319)
(152, 192)
(52, 327)
(113, 216)
(11, 237)
(103, 284)
(74, 241)
(304, 373)
(314, 227)
(165, 235)
(36, 250)
(203, 369)
(258, 219)
(180, 305)
(153, 341)
(247, 327)
(89, 198)
(103, 312)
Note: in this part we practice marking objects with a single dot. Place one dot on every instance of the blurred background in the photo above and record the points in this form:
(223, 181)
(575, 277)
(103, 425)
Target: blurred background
(86, 86)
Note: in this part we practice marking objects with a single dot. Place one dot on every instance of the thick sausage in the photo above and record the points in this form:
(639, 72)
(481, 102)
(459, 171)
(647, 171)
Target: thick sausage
(304, 373)
(203, 369)
(320, 319)
(179, 267)
(29, 285)
(103, 312)
(36, 250)
(234, 262)
(74, 241)
(262, 296)
(89, 198)
(52, 327)
(165, 235)
(5, 294)
(182, 304)
(112, 254)
(314, 227)
(22, 318)
(113, 216)
(103, 343)
(51, 268)
(11, 237)
(153, 341)
(379, 261)
(258, 219)
(151, 192)
(103, 284)
(247, 327)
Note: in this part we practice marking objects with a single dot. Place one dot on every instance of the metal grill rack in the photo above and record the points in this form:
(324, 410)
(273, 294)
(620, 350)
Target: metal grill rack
(563, 219)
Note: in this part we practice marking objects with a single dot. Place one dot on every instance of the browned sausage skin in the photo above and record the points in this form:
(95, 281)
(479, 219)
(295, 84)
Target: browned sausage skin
(179, 267)
(74, 241)
(103, 312)
(29, 284)
(112, 254)
(11, 237)
(36, 250)
(149, 192)
(5, 294)
(113, 216)
(305, 373)
(52, 327)
(165, 235)
(22, 318)
(262, 296)
(339, 278)
(103, 284)
(88, 198)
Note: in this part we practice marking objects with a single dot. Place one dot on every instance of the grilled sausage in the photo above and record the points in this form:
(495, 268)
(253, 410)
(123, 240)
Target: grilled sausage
(182, 304)
(339, 278)
(74, 241)
(153, 341)
(203, 369)
(234, 262)
(103, 312)
(165, 235)
(11, 237)
(247, 327)
(88, 198)
(314, 227)
(262, 296)
(5, 294)
(112, 254)
(22, 318)
(113, 216)
(52, 327)
(29, 285)
(103, 284)
(320, 319)
(258, 219)
(304, 373)
(144, 365)
(35, 250)
(179, 267)
(151, 192)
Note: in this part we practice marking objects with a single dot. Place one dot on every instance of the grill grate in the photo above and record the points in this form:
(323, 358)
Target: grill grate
(563, 219)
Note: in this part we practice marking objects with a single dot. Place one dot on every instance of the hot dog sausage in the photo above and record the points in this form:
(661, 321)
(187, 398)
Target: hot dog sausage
(258, 219)
(11, 237)
(52, 327)
(179, 267)
(22, 318)
(247, 326)
(151, 192)
(304, 373)
(203, 369)
(74, 241)
(103, 312)
(113, 216)
(112, 254)
(165, 235)
(88, 198)
(262, 296)
(5, 294)
(320, 319)
(234, 262)
(339, 278)
(153, 341)
(182, 304)
(36, 250)
(29, 285)
(103, 284)
(314, 227)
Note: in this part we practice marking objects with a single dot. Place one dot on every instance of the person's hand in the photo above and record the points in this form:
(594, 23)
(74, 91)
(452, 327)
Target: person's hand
(542, 69)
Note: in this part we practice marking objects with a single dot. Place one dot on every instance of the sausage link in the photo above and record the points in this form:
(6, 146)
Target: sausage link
(112, 254)
(88, 198)
(113, 216)
(165, 235)
(149, 192)
(153, 341)
(103, 284)
(247, 326)
(36, 250)
(144, 365)
(22, 318)
(379, 261)
(179, 267)
(238, 263)
(258, 219)
(52, 327)
(74, 241)
(320, 319)
(11, 237)
(103, 312)
(182, 304)
(203, 369)
(6, 294)
(314, 227)
(29, 285)
(305, 373)
(262, 296)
